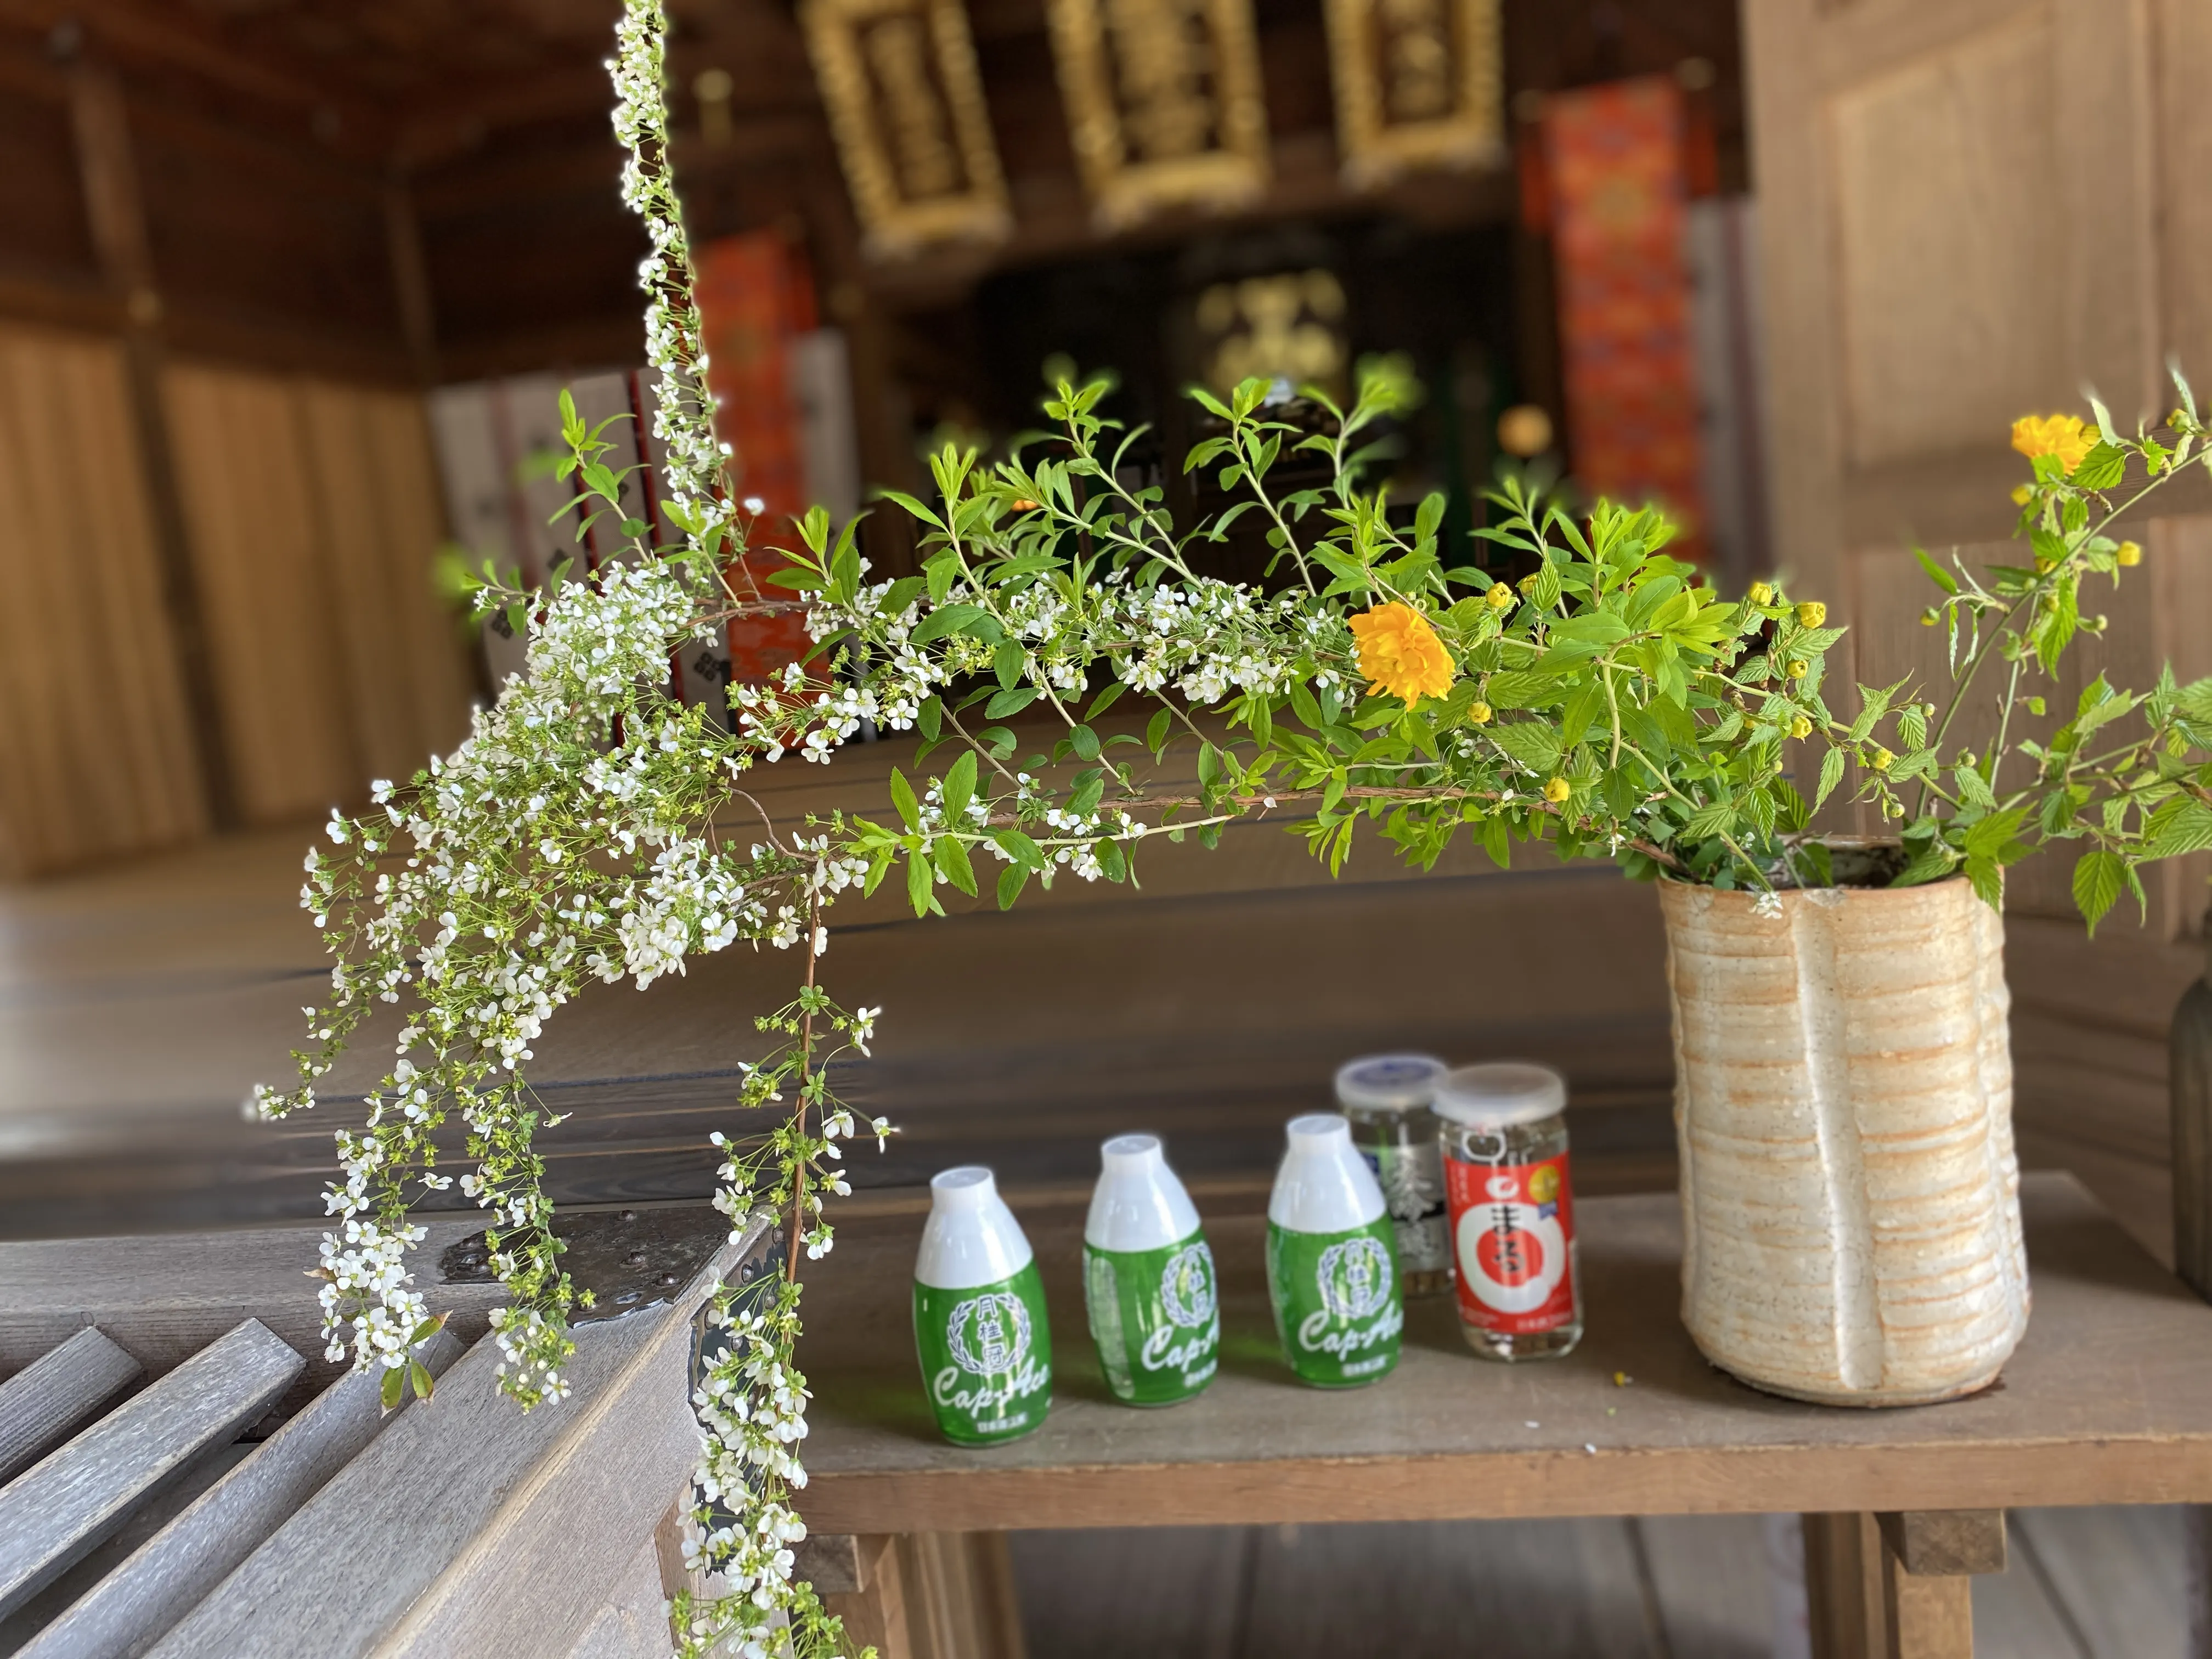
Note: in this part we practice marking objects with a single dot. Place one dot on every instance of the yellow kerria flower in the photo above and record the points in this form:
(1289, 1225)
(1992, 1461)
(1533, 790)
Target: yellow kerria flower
(1557, 790)
(1400, 653)
(2127, 553)
(1761, 593)
(1498, 597)
(2063, 435)
(1811, 614)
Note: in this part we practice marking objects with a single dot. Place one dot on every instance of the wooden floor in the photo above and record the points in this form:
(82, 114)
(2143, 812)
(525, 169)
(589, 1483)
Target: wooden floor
(2090, 1583)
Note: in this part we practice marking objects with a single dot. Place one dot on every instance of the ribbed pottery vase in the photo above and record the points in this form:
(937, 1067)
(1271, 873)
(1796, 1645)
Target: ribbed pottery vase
(1843, 1098)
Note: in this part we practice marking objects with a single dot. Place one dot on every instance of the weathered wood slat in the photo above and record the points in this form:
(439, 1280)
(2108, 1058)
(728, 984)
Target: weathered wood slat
(56, 1510)
(138, 1603)
(369, 1565)
(46, 1402)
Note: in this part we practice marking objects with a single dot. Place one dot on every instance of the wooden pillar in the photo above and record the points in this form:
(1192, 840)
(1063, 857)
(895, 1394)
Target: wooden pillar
(116, 213)
(922, 1596)
(2190, 1080)
(1897, 1586)
(410, 278)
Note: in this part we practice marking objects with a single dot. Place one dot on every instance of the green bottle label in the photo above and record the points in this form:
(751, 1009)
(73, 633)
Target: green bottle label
(1338, 1309)
(1157, 1319)
(986, 1358)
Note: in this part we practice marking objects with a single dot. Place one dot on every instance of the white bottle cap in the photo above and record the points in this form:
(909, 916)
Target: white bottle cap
(1323, 1186)
(1389, 1083)
(971, 1237)
(1500, 1094)
(1138, 1204)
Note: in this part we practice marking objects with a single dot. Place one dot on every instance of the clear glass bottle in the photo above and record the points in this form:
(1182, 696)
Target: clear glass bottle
(1386, 1099)
(1503, 1130)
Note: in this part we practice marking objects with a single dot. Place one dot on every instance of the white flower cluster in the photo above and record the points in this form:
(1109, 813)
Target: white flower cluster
(1204, 638)
(365, 1286)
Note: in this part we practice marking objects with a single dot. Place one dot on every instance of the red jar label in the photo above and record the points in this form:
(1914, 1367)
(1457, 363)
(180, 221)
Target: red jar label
(1511, 1226)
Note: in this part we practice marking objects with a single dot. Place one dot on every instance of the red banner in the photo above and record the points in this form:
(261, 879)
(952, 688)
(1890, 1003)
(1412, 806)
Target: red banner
(1616, 161)
(755, 299)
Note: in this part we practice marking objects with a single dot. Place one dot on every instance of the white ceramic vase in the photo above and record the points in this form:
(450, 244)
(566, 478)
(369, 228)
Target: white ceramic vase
(1850, 1196)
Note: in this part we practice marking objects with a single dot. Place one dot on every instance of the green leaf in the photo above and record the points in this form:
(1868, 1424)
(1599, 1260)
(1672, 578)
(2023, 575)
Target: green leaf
(2099, 875)
(1942, 578)
(1012, 880)
(1156, 732)
(919, 882)
(1004, 703)
(420, 1375)
(1007, 663)
(948, 620)
(1084, 741)
(951, 858)
(1831, 773)
(910, 810)
(1534, 745)
(931, 718)
(2100, 469)
(2183, 824)
(392, 1388)
(960, 788)
(1020, 849)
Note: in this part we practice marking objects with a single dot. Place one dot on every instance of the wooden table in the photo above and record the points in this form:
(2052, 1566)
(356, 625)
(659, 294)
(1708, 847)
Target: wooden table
(2106, 1401)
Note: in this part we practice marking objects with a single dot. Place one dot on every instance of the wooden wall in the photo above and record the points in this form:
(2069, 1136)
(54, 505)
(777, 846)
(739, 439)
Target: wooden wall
(311, 515)
(311, 511)
(96, 750)
(1971, 210)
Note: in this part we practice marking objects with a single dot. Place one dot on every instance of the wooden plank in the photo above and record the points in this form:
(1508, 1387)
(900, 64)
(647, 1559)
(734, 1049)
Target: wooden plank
(960, 1596)
(50, 1399)
(1444, 1437)
(164, 1298)
(1927, 1617)
(148, 1518)
(634, 1624)
(875, 1615)
(1945, 1543)
(2190, 1125)
(141, 1600)
(368, 1567)
(63, 1506)
(1844, 1587)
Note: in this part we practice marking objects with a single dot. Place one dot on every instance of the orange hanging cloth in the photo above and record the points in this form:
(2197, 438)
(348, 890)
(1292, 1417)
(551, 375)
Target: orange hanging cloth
(755, 299)
(1616, 164)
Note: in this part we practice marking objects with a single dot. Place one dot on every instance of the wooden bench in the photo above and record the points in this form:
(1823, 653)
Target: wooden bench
(2106, 1402)
(151, 1527)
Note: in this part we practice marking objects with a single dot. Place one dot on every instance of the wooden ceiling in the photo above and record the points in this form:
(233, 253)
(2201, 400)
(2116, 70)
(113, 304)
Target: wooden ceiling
(288, 149)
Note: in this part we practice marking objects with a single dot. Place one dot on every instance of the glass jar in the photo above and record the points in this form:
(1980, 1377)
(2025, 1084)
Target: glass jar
(1386, 1098)
(1503, 1130)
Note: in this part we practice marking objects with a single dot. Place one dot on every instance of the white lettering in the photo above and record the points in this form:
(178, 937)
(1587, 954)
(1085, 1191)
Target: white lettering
(1162, 1353)
(1018, 1385)
(1314, 1335)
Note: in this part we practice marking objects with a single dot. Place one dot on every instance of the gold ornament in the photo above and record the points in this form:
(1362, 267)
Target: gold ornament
(1419, 84)
(906, 107)
(1163, 103)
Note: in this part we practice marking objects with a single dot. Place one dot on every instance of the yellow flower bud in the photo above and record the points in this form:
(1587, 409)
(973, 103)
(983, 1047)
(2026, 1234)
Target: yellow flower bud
(1478, 713)
(2178, 420)
(1498, 597)
(1528, 582)
(1929, 618)
(1811, 614)
(1799, 668)
(1802, 726)
(1761, 593)
(2130, 553)
(1880, 759)
(1556, 790)
(2021, 495)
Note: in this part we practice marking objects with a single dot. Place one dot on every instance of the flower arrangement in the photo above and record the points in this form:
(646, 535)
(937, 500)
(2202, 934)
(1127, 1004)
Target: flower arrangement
(1605, 701)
